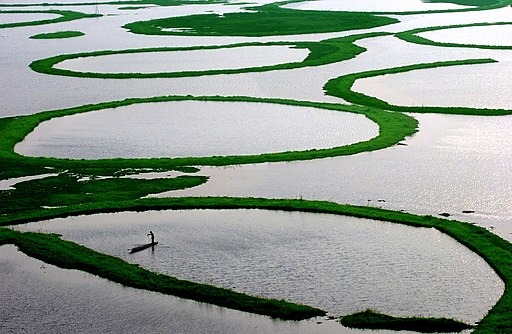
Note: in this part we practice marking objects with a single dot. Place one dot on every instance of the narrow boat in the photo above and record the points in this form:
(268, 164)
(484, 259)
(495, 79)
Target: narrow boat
(142, 247)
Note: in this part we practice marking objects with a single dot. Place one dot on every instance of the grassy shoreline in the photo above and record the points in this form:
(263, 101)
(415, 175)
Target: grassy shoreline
(58, 35)
(320, 53)
(393, 128)
(411, 36)
(342, 87)
(65, 15)
(496, 251)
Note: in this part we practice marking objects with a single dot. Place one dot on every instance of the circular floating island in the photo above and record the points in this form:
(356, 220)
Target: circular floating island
(195, 129)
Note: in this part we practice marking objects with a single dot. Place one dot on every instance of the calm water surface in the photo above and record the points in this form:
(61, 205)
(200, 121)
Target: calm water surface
(25, 17)
(193, 128)
(44, 298)
(477, 86)
(180, 61)
(486, 35)
(453, 163)
(372, 6)
(337, 263)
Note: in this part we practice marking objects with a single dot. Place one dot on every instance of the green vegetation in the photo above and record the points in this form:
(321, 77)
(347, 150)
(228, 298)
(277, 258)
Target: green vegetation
(58, 34)
(374, 320)
(51, 249)
(320, 53)
(393, 128)
(412, 36)
(342, 87)
(65, 15)
(267, 20)
(496, 251)
(68, 189)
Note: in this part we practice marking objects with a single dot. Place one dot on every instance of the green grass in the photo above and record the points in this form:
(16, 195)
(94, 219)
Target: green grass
(342, 87)
(66, 189)
(412, 36)
(51, 249)
(373, 320)
(496, 251)
(58, 35)
(267, 20)
(393, 128)
(320, 53)
(65, 15)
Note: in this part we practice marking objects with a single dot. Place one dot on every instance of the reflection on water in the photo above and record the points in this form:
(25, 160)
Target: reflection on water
(453, 163)
(337, 263)
(372, 6)
(40, 298)
(477, 86)
(485, 35)
(181, 61)
(191, 128)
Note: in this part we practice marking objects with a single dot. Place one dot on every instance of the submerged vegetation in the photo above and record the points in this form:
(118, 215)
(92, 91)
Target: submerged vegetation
(58, 34)
(320, 53)
(374, 320)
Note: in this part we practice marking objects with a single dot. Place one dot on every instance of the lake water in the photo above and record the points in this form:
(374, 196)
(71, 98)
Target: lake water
(340, 264)
(25, 17)
(371, 6)
(194, 128)
(44, 298)
(485, 35)
(453, 163)
(180, 61)
(476, 86)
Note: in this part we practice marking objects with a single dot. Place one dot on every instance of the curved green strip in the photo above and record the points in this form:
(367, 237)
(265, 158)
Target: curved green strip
(58, 35)
(496, 251)
(370, 319)
(51, 249)
(412, 36)
(342, 87)
(266, 20)
(320, 53)
(393, 127)
(66, 15)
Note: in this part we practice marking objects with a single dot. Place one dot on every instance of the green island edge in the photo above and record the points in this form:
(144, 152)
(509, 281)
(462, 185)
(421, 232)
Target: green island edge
(49, 248)
(393, 128)
(342, 87)
(65, 15)
(320, 53)
(58, 35)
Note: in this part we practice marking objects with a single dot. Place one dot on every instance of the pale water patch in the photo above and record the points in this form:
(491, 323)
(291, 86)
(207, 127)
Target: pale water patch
(371, 5)
(8, 184)
(453, 164)
(181, 61)
(195, 128)
(485, 35)
(6, 18)
(38, 298)
(337, 263)
(475, 86)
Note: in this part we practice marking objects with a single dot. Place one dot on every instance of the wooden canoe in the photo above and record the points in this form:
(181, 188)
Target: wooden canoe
(142, 247)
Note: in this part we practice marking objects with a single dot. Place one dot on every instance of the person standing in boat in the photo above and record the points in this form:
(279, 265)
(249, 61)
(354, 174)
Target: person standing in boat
(152, 237)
